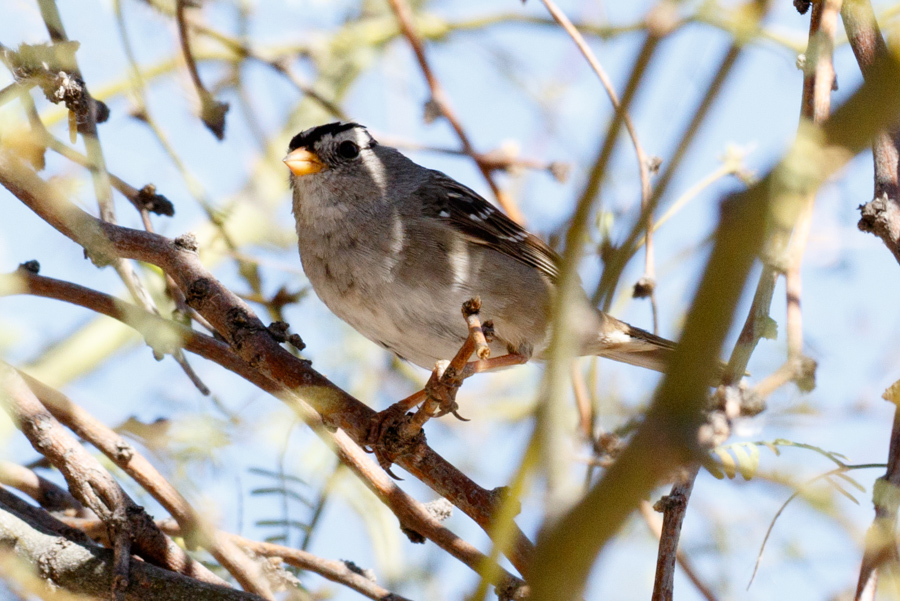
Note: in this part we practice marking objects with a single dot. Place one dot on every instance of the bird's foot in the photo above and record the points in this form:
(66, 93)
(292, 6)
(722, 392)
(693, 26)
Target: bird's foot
(395, 431)
(440, 391)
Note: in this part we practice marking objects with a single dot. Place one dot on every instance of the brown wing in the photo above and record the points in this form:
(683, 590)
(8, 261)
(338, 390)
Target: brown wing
(468, 213)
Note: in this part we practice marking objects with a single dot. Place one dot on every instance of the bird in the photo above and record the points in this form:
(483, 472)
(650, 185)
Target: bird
(394, 249)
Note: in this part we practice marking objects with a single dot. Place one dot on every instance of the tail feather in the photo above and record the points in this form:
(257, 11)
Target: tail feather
(656, 359)
(628, 344)
(637, 347)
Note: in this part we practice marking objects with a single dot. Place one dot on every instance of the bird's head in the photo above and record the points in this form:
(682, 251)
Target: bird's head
(337, 146)
(341, 167)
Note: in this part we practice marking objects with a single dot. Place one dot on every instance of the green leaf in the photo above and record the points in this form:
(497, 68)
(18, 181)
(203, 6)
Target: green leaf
(842, 490)
(276, 475)
(747, 458)
(713, 468)
(727, 462)
(284, 523)
(281, 491)
(851, 481)
(772, 448)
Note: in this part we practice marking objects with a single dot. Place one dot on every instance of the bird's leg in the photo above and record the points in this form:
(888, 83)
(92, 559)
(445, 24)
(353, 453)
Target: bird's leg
(483, 365)
(446, 379)
(393, 427)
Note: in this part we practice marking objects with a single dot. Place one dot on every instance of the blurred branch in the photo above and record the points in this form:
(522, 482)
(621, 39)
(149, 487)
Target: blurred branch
(729, 19)
(81, 567)
(281, 64)
(757, 326)
(881, 215)
(120, 452)
(439, 105)
(551, 424)
(816, 104)
(732, 165)
(667, 438)
(92, 485)
(818, 82)
(615, 265)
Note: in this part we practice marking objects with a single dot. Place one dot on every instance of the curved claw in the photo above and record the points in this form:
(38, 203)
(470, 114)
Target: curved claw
(387, 468)
(458, 416)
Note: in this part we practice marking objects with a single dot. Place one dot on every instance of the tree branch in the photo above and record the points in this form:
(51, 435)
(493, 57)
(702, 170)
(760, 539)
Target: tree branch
(46, 493)
(92, 485)
(881, 215)
(87, 569)
(881, 542)
(267, 365)
(120, 452)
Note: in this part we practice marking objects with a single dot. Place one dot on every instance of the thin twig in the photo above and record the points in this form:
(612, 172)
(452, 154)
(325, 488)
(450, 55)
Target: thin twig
(280, 64)
(441, 104)
(212, 112)
(649, 278)
(496, 160)
(616, 264)
(816, 106)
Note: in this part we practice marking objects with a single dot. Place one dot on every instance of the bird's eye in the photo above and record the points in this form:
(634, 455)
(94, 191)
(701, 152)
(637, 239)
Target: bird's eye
(348, 149)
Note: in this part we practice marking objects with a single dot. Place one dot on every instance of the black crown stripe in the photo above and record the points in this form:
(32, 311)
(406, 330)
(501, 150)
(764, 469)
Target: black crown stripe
(308, 138)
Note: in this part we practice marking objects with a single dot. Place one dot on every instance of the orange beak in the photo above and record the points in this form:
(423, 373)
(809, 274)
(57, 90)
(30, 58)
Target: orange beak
(303, 162)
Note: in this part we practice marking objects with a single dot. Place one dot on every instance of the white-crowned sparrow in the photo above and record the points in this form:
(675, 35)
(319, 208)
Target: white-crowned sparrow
(394, 249)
